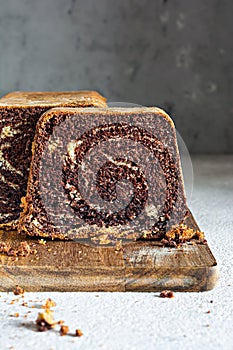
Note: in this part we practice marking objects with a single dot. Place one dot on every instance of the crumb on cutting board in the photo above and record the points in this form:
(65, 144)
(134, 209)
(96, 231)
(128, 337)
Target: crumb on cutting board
(18, 290)
(23, 249)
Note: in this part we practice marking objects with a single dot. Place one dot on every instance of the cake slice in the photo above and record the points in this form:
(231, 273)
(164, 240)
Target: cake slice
(19, 113)
(104, 175)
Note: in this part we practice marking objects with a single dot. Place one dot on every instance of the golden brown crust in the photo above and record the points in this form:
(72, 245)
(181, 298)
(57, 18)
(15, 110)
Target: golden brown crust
(64, 110)
(53, 99)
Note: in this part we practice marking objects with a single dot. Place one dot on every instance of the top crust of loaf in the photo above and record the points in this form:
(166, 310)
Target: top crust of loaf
(111, 110)
(53, 99)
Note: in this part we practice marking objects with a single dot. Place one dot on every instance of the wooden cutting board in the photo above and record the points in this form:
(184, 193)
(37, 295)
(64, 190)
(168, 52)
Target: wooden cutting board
(138, 267)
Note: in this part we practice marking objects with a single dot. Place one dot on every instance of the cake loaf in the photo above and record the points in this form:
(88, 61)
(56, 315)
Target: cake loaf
(103, 175)
(19, 113)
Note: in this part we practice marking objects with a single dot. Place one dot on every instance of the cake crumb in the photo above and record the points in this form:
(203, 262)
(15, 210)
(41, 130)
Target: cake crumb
(181, 234)
(42, 241)
(166, 294)
(18, 290)
(11, 252)
(48, 304)
(61, 322)
(64, 330)
(4, 248)
(24, 249)
(118, 246)
(45, 320)
(78, 333)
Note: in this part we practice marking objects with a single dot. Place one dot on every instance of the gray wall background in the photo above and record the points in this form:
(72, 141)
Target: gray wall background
(176, 54)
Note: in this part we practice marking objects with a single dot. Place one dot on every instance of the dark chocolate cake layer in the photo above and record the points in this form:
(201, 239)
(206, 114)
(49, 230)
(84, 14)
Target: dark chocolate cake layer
(19, 113)
(103, 175)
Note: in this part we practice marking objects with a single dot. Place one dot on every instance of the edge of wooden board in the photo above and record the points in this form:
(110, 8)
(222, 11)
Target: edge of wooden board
(138, 267)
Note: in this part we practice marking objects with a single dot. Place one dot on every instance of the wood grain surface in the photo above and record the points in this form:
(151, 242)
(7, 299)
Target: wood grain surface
(138, 266)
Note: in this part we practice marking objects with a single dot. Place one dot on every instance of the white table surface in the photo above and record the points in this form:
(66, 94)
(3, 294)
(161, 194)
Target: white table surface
(143, 320)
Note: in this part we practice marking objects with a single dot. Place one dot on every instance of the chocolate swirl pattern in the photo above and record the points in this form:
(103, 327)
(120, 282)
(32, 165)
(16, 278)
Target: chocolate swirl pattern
(103, 175)
(117, 170)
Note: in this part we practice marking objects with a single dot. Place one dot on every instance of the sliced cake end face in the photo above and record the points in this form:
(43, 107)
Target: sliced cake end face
(103, 175)
(19, 113)
(17, 130)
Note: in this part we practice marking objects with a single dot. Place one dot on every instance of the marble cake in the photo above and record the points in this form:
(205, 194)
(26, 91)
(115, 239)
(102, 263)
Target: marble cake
(104, 175)
(19, 113)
